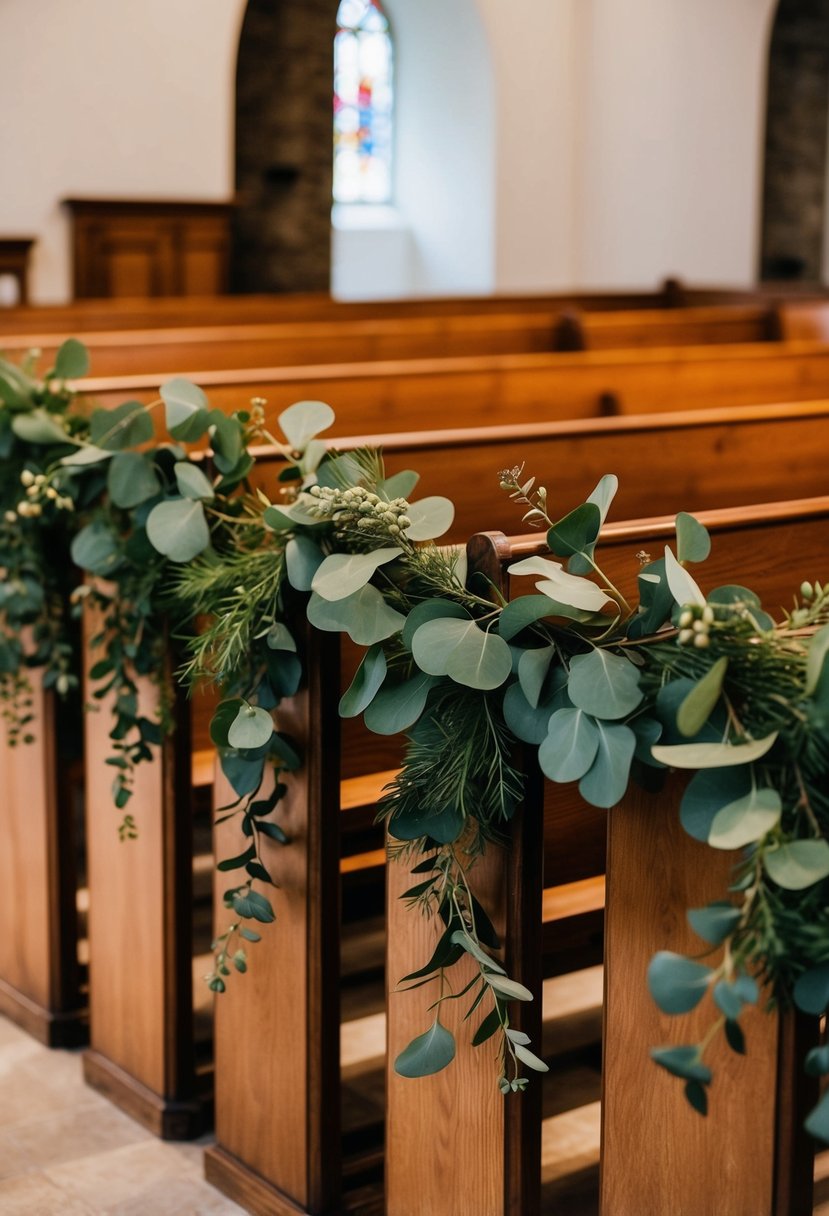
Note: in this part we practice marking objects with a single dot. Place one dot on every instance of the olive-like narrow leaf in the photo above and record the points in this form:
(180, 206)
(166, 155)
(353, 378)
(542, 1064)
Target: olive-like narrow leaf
(367, 680)
(695, 710)
(683, 588)
(713, 755)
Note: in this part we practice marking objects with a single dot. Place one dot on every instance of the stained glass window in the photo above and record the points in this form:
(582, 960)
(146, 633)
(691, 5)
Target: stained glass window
(362, 104)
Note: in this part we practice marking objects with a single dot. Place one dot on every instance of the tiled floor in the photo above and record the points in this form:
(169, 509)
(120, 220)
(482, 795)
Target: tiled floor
(66, 1151)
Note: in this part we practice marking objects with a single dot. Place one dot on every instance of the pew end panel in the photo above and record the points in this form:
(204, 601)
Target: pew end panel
(140, 935)
(40, 981)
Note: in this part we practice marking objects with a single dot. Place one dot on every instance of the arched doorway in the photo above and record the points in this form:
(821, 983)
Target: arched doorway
(282, 230)
(797, 125)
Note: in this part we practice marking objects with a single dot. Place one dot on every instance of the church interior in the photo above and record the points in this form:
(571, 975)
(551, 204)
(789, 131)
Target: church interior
(414, 621)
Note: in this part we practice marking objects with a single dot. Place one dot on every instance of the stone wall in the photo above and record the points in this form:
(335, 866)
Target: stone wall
(796, 142)
(284, 86)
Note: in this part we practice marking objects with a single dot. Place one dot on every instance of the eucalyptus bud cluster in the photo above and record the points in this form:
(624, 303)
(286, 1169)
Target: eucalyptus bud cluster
(695, 626)
(360, 509)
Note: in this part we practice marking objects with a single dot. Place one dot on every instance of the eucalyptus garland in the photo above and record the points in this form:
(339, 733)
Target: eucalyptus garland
(605, 690)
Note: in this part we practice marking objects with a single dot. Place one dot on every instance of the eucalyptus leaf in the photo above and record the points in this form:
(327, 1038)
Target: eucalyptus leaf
(817, 1121)
(304, 420)
(604, 684)
(727, 999)
(400, 485)
(302, 560)
(606, 780)
(279, 637)
(510, 989)
(570, 746)
(529, 1058)
(797, 864)
(397, 706)
(427, 1054)
(715, 922)
(576, 532)
(676, 983)
(125, 426)
(192, 482)
(132, 479)
(693, 544)
(561, 586)
(695, 710)
(430, 517)
(528, 609)
(367, 680)
(252, 727)
(706, 793)
(818, 648)
(682, 1062)
(178, 529)
(532, 671)
(341, 574)
(430, 610)
(811, 992)
(746, 820)
(37, 426)
(71, 360)
(184, 403)
(364, 616)
(443, 824)
(86, 455)
(463, 651)
(682, 586)
(602, 496)
(714, 755)
(95, 549)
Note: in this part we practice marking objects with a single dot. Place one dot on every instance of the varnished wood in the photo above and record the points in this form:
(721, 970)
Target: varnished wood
(14, 261)
(128, 248)
(39, 974)
(277, 1028)
(139, 924)
(658, 1155)
(484, 390)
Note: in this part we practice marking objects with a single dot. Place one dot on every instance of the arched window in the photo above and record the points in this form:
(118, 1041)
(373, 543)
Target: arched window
(362, 104)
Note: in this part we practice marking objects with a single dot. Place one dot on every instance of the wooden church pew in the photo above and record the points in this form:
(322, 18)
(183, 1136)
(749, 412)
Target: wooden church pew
(657, 1156)
(466, 1169)
(215, 347)
(500, 389)
(40, 980)
(694, 326)
(786, 445)
(804, 322)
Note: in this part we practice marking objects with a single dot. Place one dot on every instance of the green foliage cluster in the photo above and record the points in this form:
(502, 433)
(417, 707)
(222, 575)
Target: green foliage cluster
(604, 690)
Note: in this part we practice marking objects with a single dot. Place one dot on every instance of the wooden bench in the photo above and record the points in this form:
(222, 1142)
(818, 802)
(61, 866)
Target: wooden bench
(805, 322)
(415, 394)
(214, 347)
(465, 466)
(487, 1157)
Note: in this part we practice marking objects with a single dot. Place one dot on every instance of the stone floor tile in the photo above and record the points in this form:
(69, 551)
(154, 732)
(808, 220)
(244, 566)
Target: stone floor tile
(36, 1195)
(136, 1171)
(71, 1135)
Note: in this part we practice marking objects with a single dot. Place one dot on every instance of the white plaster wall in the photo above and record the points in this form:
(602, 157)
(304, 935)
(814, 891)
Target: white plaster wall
(627, 133)
(127, 98)
(672, 104)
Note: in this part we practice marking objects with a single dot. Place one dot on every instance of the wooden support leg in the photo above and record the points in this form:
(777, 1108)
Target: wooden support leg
(140, 932)
(454, 1145)
(658, 1155)
(39, 980)
(277, 1027)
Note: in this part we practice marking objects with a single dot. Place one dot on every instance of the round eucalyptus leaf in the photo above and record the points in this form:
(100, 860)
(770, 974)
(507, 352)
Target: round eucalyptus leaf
(604, 684)
(279, 637)
(131, 479)
(429, 610)
(400, 485)
(341, 574)
(529, 724)
(224, 716)
(562, 587)
(124, 426)
(364, 616)
(443, 825)
(430, 517)
(606, 780)
(427, 1054)
(706, 793)
(178, 529)
(693, 544)
(302, 560)
(676, 983)
(747, 819)
(715, 922)
(397, 706)
(533, 666)
(462, 651)
(183, 402)
(570, 745)
(304, 420)
(811, 992)
(576, 532)
(191, 481)
(95, 549)
(72, 360)
(252, 727)
(817, 1121)
(798, 864)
